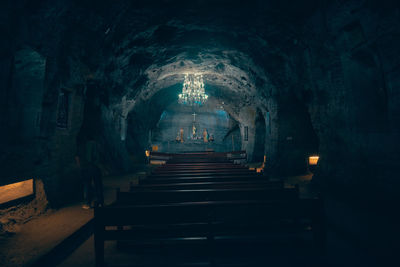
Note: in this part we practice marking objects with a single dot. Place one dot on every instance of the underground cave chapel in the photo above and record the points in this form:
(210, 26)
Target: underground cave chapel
(199, 133)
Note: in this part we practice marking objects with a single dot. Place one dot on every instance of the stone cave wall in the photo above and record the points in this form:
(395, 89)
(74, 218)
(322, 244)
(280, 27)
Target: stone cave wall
(297, 138)
(350, 93)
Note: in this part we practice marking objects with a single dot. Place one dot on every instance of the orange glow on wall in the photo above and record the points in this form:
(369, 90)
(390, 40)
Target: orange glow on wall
(154, 148)
(313, 160)
(15, 191)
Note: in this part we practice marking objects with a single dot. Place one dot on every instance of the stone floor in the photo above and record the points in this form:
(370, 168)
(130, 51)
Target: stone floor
(38, 236)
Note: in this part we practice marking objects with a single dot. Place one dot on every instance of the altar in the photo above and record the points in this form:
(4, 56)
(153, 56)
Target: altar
(190, 145)
(181, 129)
(204, 137)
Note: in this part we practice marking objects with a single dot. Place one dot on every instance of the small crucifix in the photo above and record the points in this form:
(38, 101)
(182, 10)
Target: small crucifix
(194, 116)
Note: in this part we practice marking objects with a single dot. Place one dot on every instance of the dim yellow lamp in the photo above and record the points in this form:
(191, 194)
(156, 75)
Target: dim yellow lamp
(147, 153)
(313, 160)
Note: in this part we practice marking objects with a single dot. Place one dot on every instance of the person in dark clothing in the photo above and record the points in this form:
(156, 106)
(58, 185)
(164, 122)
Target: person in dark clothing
(87, 159)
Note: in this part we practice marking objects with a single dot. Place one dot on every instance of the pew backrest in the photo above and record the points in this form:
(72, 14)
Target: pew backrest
(149, 196)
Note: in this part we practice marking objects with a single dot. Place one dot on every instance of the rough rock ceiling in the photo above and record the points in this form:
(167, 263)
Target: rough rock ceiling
(136, 48)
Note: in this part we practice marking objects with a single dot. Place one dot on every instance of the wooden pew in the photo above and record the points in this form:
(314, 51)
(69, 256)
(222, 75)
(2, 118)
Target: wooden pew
(199, 179)
(205, 170)
(202, 197)
(202, 168)
(201, 164)
(213, 157)
(212, 222)
(204, 174)
(216, 164)
(199, 160)
(149, 196)
(190, 184)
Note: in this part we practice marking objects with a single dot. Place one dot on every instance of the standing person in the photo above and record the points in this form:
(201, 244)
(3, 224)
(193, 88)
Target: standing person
(87, 159)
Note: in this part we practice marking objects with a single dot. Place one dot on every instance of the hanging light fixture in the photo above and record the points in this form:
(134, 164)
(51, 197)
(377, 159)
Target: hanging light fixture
(193, 92)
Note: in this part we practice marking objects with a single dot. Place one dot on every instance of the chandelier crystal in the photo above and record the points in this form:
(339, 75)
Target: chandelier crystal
(193, 92)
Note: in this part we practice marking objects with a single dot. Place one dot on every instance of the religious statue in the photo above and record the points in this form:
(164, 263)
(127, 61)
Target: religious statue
(181, 134)
(194, 131)
(205, 136)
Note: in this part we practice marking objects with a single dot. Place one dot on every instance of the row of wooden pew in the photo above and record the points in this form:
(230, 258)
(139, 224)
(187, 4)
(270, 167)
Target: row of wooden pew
(208, 206)
(236, 156)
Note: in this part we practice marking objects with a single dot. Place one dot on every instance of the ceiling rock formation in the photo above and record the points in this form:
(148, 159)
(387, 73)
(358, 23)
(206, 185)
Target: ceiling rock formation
(323, 75)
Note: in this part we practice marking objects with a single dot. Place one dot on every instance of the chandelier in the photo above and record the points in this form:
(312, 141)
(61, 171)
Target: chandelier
(193, 90)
